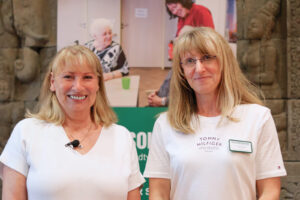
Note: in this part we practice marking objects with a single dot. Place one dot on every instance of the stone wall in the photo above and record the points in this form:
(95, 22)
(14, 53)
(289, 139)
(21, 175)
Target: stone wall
(269, 54)
(268, 51)
(27, 43)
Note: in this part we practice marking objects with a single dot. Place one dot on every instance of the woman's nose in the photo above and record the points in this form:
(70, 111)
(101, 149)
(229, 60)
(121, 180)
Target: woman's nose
(175, 11)
(77, 84)
(199, 67)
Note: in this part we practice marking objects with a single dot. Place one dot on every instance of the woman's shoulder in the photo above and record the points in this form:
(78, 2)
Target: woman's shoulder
(117, 129)
(162, 117)
(31, 122)
(251, 110)
(113, 43)
(31, 127)
(162, 120)
(200, 8)
(254, 107)
(119, 134)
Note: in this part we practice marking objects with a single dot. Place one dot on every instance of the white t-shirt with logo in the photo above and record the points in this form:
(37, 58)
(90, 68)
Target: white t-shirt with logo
(108, 171)
(222, 160)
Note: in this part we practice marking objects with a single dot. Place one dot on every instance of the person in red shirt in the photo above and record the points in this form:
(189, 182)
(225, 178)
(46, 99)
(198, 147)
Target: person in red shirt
(189, 13)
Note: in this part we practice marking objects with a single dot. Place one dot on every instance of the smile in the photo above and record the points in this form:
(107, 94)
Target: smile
(201, 78)
(77, 97)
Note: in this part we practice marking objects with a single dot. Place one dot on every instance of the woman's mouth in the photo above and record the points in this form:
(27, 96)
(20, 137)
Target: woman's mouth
(77, 97)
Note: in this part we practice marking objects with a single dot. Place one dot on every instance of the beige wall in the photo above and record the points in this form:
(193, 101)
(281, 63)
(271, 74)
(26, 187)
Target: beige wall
(73, 18)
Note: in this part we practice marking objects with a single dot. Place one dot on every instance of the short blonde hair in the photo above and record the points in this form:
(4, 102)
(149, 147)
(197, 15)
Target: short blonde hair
(98, 25)
(234, 88)
(49, 109)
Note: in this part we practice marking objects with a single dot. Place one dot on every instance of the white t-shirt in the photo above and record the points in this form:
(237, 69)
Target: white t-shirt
(108, 171)
(202, 166)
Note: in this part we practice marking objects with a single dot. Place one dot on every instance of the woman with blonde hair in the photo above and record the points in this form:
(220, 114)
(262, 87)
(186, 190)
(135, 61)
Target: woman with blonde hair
(71, 148)
(217, 140)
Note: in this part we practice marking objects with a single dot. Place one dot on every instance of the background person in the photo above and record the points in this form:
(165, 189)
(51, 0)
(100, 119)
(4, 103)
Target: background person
(161, 96)
(110, 53)
(39, 162)
(189, 13)
(216, 141)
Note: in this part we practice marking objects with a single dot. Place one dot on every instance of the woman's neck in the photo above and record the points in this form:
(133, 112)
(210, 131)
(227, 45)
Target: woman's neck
(77, 122)
(207, 105)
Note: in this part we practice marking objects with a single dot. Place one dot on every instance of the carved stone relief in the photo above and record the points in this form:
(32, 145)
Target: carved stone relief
(293, 45)
(14, 112)
(294, 129)
(8, 37)
(7, 87)
(278, 109)
(261, 59)
(269, 54)
(293, 18)
(290, 186)
(27, 32)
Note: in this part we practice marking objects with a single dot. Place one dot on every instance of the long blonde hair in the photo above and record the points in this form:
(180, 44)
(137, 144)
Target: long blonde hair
(234, 88)
(48, 107)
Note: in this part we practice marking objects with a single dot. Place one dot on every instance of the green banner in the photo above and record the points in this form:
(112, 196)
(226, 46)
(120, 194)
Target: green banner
(140, 121)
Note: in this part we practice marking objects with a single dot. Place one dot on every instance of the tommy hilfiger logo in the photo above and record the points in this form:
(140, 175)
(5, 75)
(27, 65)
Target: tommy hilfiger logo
(208, 144)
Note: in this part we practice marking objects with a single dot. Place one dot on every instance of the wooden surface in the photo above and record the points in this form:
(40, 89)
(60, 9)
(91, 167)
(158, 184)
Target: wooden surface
(119, 97)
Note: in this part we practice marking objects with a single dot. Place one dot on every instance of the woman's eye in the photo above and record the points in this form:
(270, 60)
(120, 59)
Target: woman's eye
(190, 60)
(88, 77)
(205, 57)
(67, 76)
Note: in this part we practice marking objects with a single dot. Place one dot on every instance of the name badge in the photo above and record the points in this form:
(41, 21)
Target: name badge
(240, 146)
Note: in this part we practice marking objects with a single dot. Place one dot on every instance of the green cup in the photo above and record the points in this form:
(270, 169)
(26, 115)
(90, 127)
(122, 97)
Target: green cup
(125, 83)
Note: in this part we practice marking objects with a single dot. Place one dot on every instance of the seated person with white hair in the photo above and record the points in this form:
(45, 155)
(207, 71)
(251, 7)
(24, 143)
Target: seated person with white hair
(110, 53)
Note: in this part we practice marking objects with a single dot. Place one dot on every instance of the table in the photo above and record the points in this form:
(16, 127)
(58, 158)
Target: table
(118, 97)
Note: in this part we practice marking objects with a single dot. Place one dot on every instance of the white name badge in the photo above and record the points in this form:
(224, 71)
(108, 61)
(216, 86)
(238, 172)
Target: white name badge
(240, 146)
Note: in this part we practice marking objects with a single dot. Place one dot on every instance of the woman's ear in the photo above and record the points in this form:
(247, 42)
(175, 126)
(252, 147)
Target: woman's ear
(52, 87)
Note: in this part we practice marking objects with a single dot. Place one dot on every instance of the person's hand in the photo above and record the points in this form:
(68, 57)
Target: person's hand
(154, 100)
(107, 76)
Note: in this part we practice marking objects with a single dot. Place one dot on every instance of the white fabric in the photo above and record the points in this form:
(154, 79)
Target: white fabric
(55, 172)
(201, 166)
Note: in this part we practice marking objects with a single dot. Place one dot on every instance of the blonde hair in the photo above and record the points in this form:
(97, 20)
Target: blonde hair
(48, 107)
(234, 88)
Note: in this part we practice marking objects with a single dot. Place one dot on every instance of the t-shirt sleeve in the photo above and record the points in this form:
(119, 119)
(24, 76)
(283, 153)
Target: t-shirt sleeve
(14, 154)
(135, 179)
(158, 162)
(269, 162)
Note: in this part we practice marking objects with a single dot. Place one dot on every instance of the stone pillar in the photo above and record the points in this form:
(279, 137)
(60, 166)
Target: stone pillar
(291, 184)
(27, 43)
(269, 54)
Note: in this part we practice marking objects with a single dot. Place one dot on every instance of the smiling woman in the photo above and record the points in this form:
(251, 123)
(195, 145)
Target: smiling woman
(215, 132)
(71, 148)
(189, 14)
(76, 88)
